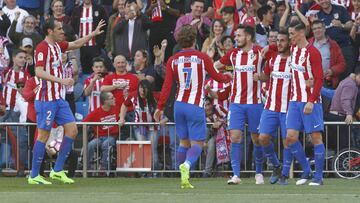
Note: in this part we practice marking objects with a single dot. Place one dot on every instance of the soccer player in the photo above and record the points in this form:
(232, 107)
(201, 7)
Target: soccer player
(188, 68)
(50, 101)
(245, 104)
(305, 109)
(278, 72)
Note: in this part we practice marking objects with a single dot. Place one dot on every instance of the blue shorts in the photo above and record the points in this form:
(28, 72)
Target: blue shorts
(297, 120)
(190, 121)
(49, 111)
(239, 114)
(270, 121)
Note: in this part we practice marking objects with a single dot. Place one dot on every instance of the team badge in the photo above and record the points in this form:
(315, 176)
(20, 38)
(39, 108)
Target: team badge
(40, 56)
(96, 13)
(336, 16)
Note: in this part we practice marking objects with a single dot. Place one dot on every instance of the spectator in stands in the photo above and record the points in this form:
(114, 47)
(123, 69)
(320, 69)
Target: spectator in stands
(280, 9)
(355, 30)
(288, 18)
(226, 43)
(145, 105)
(247, 10)
(265, 16)
(217, 115)
(272, 38)
(122, 84)
(27, 46)
(228, 17)
(343, 108)
(159, 54)
(217, 32)
(84, 20)
(169, 130)
(31, 87)
(14, 78)
(195, 19)
(119, 6)
(333, 62)
(93, 83)
(4, 56)
(11, 9)
(33, 6)
(57, 7)
(356, 10)
(164, 26)
(338, 24)
(142, 67)
(130, 33)
(70, 70)
(104, 135)
(27, 32)
(4, 23)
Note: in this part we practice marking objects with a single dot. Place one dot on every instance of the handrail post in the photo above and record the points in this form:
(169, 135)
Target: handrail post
(85, 148)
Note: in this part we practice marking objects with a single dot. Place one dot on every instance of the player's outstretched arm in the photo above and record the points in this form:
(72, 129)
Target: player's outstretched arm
(80, 42)
(40, 73)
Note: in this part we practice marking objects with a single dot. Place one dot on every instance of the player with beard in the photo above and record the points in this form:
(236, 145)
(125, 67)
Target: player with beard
(245, 99)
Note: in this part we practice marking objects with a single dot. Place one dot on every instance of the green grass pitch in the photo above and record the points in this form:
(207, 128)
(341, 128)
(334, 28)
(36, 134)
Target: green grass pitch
(167, 190)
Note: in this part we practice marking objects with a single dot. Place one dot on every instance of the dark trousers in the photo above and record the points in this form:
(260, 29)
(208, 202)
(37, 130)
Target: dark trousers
(349, 56)
(87, 53)
(333, 140)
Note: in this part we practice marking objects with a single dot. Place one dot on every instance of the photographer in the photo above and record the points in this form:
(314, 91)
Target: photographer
(93, 83)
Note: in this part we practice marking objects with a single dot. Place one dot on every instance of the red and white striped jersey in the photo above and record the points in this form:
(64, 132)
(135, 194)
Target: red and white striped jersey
(220, 88)
(10, 93)
(143, 115)
(86, 25)
(278, 96)
(48, 56)
(94, 97)
(188, 68)
(244, 89)
(306, 64)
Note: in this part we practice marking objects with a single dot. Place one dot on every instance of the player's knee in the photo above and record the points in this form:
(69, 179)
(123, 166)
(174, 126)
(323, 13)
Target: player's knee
(71, 131)
(236, 138)
(316, 138)
(290, 140)
(264, 140)
(185, 143)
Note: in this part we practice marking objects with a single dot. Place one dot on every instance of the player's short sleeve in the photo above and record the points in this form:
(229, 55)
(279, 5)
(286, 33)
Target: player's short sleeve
(87, 82)
(41, 53)
(226, 58)
(267, 69)
(107, 80)
(64, 45)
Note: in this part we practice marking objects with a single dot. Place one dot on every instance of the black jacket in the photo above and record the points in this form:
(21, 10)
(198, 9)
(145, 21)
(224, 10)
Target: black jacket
(140, 38)
(98, 14)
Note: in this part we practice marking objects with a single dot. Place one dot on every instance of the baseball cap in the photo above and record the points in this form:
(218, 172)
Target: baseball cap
(27, 42)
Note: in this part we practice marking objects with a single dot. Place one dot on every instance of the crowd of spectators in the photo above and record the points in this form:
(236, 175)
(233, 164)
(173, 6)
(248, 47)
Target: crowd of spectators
(119, 73)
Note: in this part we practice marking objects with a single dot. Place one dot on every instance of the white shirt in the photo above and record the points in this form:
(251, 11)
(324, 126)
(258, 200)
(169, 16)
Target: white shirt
(11, 14)
(131, 32)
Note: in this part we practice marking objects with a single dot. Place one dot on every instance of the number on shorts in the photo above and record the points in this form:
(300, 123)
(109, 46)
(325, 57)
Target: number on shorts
(187, 72)
(48, 115)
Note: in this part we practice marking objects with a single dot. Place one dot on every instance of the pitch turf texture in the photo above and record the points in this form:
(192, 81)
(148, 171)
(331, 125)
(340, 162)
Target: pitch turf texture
(168, 190)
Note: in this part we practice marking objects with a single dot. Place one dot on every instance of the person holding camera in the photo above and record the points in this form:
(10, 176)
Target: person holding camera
(93, 83)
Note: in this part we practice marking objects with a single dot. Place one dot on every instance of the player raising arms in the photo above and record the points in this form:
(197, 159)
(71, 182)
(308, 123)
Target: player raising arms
(188, 68)
(278, 72)
(50, 101)
(245, 101)
(305, 109)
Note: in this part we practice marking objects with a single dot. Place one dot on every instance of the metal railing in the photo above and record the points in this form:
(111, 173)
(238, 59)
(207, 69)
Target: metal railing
(334, 147)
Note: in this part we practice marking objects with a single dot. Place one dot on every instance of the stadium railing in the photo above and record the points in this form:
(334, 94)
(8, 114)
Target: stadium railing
(342, 144)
